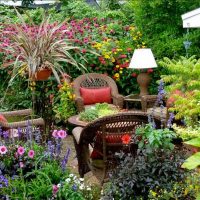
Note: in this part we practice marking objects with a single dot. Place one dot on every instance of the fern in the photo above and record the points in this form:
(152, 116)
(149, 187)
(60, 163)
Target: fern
(184, 75)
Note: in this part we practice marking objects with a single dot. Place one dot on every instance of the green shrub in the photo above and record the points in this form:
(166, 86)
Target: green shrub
(161, 23)
(184, 77)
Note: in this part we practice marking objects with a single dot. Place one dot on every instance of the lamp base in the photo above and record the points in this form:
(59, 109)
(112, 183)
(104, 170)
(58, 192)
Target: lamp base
(143, 80)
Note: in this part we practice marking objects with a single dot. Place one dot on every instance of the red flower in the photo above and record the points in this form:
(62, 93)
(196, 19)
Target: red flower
(126, 139)
(123, 56)
(149, 70)
(134, 75)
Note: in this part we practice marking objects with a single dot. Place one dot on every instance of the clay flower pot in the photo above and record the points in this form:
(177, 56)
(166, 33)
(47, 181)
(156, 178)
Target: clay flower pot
(42, 75)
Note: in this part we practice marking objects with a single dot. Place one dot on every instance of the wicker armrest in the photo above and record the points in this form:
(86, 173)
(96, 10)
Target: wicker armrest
(146, 100)
(79, 103)
(33, 122)
(118, 100)
(24, 112)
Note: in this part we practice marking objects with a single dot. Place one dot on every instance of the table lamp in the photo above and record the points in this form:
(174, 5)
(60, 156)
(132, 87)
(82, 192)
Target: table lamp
(143, 59)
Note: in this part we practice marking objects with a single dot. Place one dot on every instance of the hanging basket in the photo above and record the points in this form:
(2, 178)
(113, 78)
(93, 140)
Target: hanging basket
(42, 75)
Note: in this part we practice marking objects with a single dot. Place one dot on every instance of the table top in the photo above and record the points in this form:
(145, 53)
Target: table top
(133, 97)
(74, 120)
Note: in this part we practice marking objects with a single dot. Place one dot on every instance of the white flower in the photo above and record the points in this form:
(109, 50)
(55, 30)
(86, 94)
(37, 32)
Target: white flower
(59, 185)
(88, 188)
(81, 187)
(71, 175)
(81, 179)
(75, 177)
(67, 180)
(77, 182)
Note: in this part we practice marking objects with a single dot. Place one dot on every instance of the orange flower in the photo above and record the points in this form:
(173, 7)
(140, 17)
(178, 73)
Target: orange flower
(126, 139)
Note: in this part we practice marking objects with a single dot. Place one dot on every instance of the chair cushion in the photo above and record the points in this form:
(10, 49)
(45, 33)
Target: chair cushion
(96, 95)
(3, 119)
(158, 112)
(110, 139)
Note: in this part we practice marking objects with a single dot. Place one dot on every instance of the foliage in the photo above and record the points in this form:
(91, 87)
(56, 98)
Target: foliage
(64, 105)
(75, 188)
(99, 110)
(184, 76)
(155, 165)
(135, 177)
(193, 161)
(29, 170)
(151, 138)
(161, 23)
(187, 133)
(188, 189)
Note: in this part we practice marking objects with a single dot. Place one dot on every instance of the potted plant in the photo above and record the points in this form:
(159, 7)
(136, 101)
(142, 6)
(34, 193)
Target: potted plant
(38, 50)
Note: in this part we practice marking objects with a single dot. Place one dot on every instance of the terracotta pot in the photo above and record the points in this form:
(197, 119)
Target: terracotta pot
(42, 75)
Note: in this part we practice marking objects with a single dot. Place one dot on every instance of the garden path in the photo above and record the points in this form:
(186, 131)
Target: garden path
(73, 163)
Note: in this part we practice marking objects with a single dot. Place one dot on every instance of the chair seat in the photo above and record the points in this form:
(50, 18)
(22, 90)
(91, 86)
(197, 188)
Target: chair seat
(158, 112)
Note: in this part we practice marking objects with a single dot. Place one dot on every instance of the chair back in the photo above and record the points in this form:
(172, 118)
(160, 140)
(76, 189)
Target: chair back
(105, 134)
(94, 80)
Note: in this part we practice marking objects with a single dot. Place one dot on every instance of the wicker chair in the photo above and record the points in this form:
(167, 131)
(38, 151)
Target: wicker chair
(95, 80)
(104, 136)
(26, 113)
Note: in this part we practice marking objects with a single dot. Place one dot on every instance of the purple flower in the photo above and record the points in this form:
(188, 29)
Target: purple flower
(170, 120)
(55, 189)
(5, 134)
(65, 159)
(74, 187)
(3, 181)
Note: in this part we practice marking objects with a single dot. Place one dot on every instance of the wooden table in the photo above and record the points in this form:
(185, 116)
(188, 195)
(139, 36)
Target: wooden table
(132, 99)
(74, 120)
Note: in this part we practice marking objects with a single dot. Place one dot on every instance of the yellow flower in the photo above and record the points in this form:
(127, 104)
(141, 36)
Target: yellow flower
(117, 75)
(120, 72)
(117, 66)
(113, 60)
(107, 56)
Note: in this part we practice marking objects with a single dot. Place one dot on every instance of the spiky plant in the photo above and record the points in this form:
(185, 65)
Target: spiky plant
(39, 47)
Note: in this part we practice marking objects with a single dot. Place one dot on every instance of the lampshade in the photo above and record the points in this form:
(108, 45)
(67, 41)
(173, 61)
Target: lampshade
(142, 59)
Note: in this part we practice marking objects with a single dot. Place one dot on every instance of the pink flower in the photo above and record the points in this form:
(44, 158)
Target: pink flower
(84, 50)
(31, 154)
(55, 133)
(21, 164)
(55, 189)
(3, 150)
(20, 150)
(62, 134)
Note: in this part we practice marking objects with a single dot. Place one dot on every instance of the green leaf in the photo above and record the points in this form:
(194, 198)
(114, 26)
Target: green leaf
(198, 196)
(194, 142)
(192, 162)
